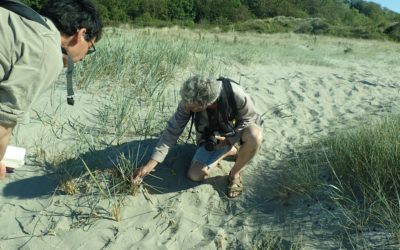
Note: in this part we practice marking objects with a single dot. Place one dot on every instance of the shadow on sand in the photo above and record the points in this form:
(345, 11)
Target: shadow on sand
(170, 176)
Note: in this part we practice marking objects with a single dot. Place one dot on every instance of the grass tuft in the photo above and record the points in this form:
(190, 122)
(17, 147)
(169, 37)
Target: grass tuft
(359, 170)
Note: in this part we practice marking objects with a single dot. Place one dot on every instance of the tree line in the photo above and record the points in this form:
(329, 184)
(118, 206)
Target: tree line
(343, 13)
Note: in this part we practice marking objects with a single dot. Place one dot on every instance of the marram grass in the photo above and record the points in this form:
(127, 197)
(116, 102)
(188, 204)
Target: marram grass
(358, 169)
(136, 74)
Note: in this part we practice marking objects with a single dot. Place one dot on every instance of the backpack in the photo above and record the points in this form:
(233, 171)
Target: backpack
(228, 118)
(21, 9)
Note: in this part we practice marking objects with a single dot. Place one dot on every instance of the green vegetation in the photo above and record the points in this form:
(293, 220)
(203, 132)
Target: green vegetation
(133, 76)
(358, 169)
(132, 81)
(348, 18)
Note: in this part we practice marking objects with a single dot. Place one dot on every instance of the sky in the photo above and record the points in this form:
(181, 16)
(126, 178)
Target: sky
(390, 4)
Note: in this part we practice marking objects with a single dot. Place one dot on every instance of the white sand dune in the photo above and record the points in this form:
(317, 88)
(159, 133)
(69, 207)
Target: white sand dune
(299, 103)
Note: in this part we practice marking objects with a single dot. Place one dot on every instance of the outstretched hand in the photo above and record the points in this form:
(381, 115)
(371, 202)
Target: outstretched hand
(140, 173)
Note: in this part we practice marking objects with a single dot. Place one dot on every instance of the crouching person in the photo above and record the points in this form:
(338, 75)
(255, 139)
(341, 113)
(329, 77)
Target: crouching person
(226, 125)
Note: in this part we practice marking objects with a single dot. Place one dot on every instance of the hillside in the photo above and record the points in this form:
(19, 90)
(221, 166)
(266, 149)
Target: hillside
(345, 18)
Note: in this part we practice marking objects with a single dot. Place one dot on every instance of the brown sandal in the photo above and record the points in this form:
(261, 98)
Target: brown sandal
(234, 185)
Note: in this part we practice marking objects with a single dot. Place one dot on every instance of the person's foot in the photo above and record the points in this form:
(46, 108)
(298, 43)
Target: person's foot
(235, 186)
(3, 171)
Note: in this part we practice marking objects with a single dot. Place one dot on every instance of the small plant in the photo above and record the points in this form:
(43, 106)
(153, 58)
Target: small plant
(68, 187)
(116, 211)
(271, 241)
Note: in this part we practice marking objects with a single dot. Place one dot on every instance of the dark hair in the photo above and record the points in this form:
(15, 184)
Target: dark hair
(70, 15)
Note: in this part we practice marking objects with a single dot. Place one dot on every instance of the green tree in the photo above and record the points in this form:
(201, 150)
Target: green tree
(220, 10)
(157, 9)
(133, 9)
(271, 8)
(181, 9)
(112, 11)
(335, 12)
(34, 4)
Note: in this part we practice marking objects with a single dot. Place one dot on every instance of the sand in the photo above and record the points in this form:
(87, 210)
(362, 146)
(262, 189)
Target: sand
(299, 103)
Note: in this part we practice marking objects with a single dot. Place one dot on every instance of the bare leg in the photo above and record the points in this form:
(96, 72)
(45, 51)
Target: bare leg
(5, 134)
(251, 138)
(198, 171)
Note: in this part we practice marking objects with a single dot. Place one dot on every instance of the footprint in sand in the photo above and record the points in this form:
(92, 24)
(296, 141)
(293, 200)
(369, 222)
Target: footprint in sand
(314, 113)
(298, 96)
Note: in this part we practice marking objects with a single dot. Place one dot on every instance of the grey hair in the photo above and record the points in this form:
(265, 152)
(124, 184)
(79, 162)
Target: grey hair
(200, 89)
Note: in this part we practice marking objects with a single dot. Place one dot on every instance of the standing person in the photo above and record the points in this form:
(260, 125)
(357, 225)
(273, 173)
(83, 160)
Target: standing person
(226, 124)
(31, 54)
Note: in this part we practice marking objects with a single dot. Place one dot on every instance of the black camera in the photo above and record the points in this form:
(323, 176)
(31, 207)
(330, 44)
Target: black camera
(210, 142)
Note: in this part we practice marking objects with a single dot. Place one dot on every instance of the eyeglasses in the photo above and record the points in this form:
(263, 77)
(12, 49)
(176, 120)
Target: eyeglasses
(92, 48)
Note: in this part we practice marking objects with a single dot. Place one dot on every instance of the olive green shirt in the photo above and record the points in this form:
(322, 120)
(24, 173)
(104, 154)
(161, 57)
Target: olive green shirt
(30, 61)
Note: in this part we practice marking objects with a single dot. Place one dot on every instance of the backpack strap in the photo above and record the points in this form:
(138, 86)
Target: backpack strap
(226, 85)
(21, 9)
(191, 126)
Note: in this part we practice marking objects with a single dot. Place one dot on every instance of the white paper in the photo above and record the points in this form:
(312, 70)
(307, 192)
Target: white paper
(14, 157)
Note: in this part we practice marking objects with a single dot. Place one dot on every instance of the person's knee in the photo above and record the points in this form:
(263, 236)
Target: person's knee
(252, 136)
(196, 175)
(197, 172)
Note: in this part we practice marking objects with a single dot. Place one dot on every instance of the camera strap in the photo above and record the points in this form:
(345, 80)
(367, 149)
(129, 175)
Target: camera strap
(70, 89)
(191, 126)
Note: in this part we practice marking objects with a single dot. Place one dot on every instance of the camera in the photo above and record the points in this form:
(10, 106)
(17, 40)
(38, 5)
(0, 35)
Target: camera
(210, 141)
